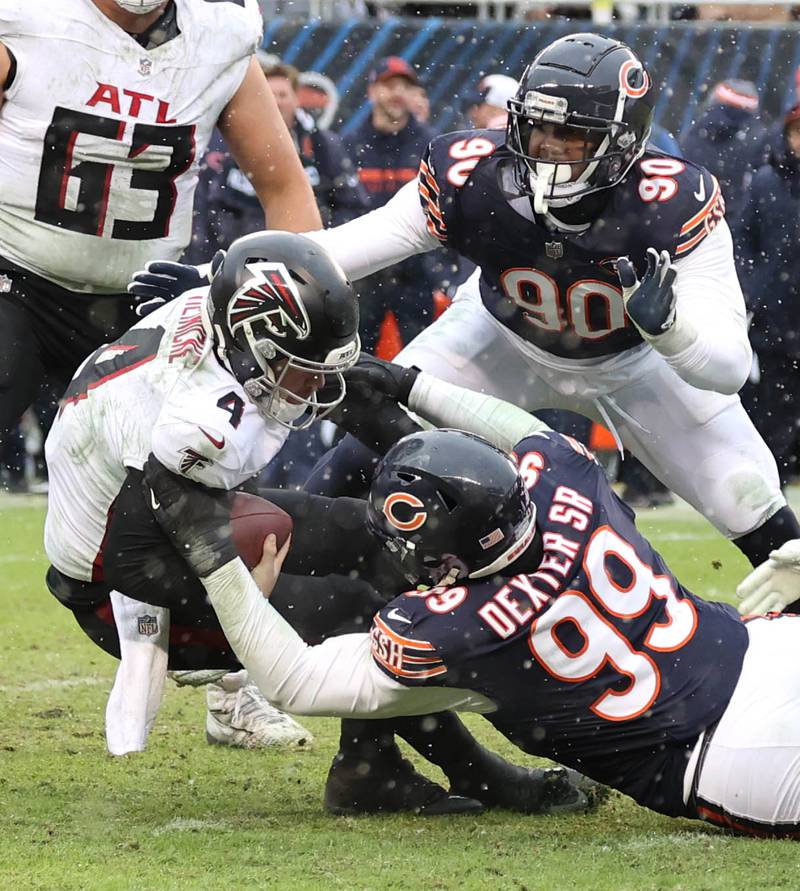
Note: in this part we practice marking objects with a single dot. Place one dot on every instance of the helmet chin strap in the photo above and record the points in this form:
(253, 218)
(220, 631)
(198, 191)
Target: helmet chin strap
(543, 177)
(541, 186)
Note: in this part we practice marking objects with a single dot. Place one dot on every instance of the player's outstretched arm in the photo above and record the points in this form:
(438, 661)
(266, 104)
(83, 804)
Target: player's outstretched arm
(381, 237)
(337, 677)
(443, 404)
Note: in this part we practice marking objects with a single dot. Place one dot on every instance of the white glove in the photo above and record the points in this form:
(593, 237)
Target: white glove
(775, 584)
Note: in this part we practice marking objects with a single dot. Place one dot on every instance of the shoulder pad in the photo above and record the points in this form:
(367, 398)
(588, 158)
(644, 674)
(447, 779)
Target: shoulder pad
(239, 20)
(398, 647)
(685, 196)
(446, 167)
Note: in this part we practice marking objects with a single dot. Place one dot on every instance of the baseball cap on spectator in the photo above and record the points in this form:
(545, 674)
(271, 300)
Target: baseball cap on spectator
(493, 89)
(735, 93)
(393, 66)
(267, 60)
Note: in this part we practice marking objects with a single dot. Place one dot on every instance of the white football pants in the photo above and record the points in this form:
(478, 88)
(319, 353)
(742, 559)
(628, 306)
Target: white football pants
(749, 772)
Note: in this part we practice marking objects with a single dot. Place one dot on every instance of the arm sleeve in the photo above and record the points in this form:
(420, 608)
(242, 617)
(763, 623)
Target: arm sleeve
(708, 345)
(380, 238)
(337, 677)
(447, 405)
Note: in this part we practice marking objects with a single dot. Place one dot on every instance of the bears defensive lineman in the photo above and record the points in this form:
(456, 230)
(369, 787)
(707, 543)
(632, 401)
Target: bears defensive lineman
(107, 107)
(550, 614)
(212, 384)
(559, 213)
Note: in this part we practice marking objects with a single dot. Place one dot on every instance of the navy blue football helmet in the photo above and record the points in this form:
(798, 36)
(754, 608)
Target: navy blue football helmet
(591, 89)
(449, 504)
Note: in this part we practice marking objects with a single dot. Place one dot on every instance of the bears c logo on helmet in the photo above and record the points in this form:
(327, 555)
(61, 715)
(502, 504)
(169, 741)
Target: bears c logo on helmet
(416, 519)
(270, 298)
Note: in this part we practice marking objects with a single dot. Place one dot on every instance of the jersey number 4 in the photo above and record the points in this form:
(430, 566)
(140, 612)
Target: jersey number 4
(74, 194)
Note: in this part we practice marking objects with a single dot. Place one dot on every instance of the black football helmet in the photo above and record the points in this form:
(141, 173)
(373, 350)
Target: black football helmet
(591, 88)
(448, 505)
(279, 303)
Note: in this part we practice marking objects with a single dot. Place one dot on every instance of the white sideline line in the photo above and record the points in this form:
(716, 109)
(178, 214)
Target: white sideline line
(54, 684)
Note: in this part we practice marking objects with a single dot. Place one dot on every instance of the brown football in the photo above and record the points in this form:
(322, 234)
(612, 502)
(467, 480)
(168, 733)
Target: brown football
(252, 520)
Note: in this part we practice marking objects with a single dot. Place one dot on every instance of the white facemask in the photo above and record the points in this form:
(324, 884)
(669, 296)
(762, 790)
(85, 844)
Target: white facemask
(139, 7)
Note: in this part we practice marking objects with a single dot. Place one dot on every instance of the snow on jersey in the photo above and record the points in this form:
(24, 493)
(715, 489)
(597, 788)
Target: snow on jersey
(100, 139)
(600, 659)
(159, 388)
(556, 289)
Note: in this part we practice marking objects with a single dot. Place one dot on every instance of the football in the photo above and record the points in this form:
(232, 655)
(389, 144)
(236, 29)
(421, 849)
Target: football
(252, 520)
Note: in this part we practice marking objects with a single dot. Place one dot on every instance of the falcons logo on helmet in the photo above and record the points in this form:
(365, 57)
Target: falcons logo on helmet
(272, 300)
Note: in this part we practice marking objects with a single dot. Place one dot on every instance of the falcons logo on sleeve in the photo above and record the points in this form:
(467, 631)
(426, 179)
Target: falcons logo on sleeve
(191, 459)
(270, 299)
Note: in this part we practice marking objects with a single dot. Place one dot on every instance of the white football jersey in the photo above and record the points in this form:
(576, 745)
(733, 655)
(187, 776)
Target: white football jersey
(160, 388)
(100, 139)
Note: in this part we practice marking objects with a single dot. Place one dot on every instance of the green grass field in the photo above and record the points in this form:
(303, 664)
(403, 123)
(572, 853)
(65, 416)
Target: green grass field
(184, 815)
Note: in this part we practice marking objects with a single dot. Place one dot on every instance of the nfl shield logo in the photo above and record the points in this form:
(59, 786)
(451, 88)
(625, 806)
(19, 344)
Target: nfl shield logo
(148, 625)
(554, 249)
(5, 284)
(145, 67)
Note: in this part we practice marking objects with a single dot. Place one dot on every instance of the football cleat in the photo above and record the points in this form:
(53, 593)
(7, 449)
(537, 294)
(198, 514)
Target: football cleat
(529, 790)
(197, 677)
(241, 717)
(389, 784)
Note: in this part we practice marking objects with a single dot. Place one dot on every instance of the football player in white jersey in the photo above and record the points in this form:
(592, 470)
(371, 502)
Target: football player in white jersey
(212, 383)
(107, 106)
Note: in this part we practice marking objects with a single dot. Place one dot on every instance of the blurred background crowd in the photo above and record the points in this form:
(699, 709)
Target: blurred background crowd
(376, 94)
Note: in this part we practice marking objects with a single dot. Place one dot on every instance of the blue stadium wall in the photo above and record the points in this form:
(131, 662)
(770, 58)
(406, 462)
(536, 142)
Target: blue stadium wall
(684, 59)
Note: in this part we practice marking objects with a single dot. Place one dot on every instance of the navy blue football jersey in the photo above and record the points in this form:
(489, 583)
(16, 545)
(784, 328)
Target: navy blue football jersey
(600, 659)
(559, 290)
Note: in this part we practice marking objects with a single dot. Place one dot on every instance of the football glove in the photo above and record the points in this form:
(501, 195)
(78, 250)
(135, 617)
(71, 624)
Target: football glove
(372, 373)
(162, 280)
(773, 585)
(194, 518)
(650, 303)
(370, 410)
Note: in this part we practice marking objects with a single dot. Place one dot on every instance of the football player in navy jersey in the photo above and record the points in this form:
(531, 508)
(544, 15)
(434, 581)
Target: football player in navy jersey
(606, 286)
(537, 603)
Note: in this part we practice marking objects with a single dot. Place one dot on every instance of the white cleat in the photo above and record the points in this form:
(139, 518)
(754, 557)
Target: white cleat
(197, 677)
(240, 716)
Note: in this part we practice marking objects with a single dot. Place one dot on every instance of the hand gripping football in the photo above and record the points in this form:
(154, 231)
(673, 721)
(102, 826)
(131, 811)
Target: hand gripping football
(252, 520)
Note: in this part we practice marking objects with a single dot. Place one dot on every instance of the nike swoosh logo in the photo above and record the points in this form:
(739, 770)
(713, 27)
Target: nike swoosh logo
(217, 443)
(700, 194)
(397, 616)
(156, 504)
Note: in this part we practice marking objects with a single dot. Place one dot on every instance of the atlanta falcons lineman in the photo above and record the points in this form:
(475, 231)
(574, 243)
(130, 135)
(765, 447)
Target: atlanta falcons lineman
(107, 107)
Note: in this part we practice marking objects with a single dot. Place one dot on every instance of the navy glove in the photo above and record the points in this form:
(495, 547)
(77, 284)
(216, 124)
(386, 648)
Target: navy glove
(163, 280)
(372, 373)
(650, 303)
